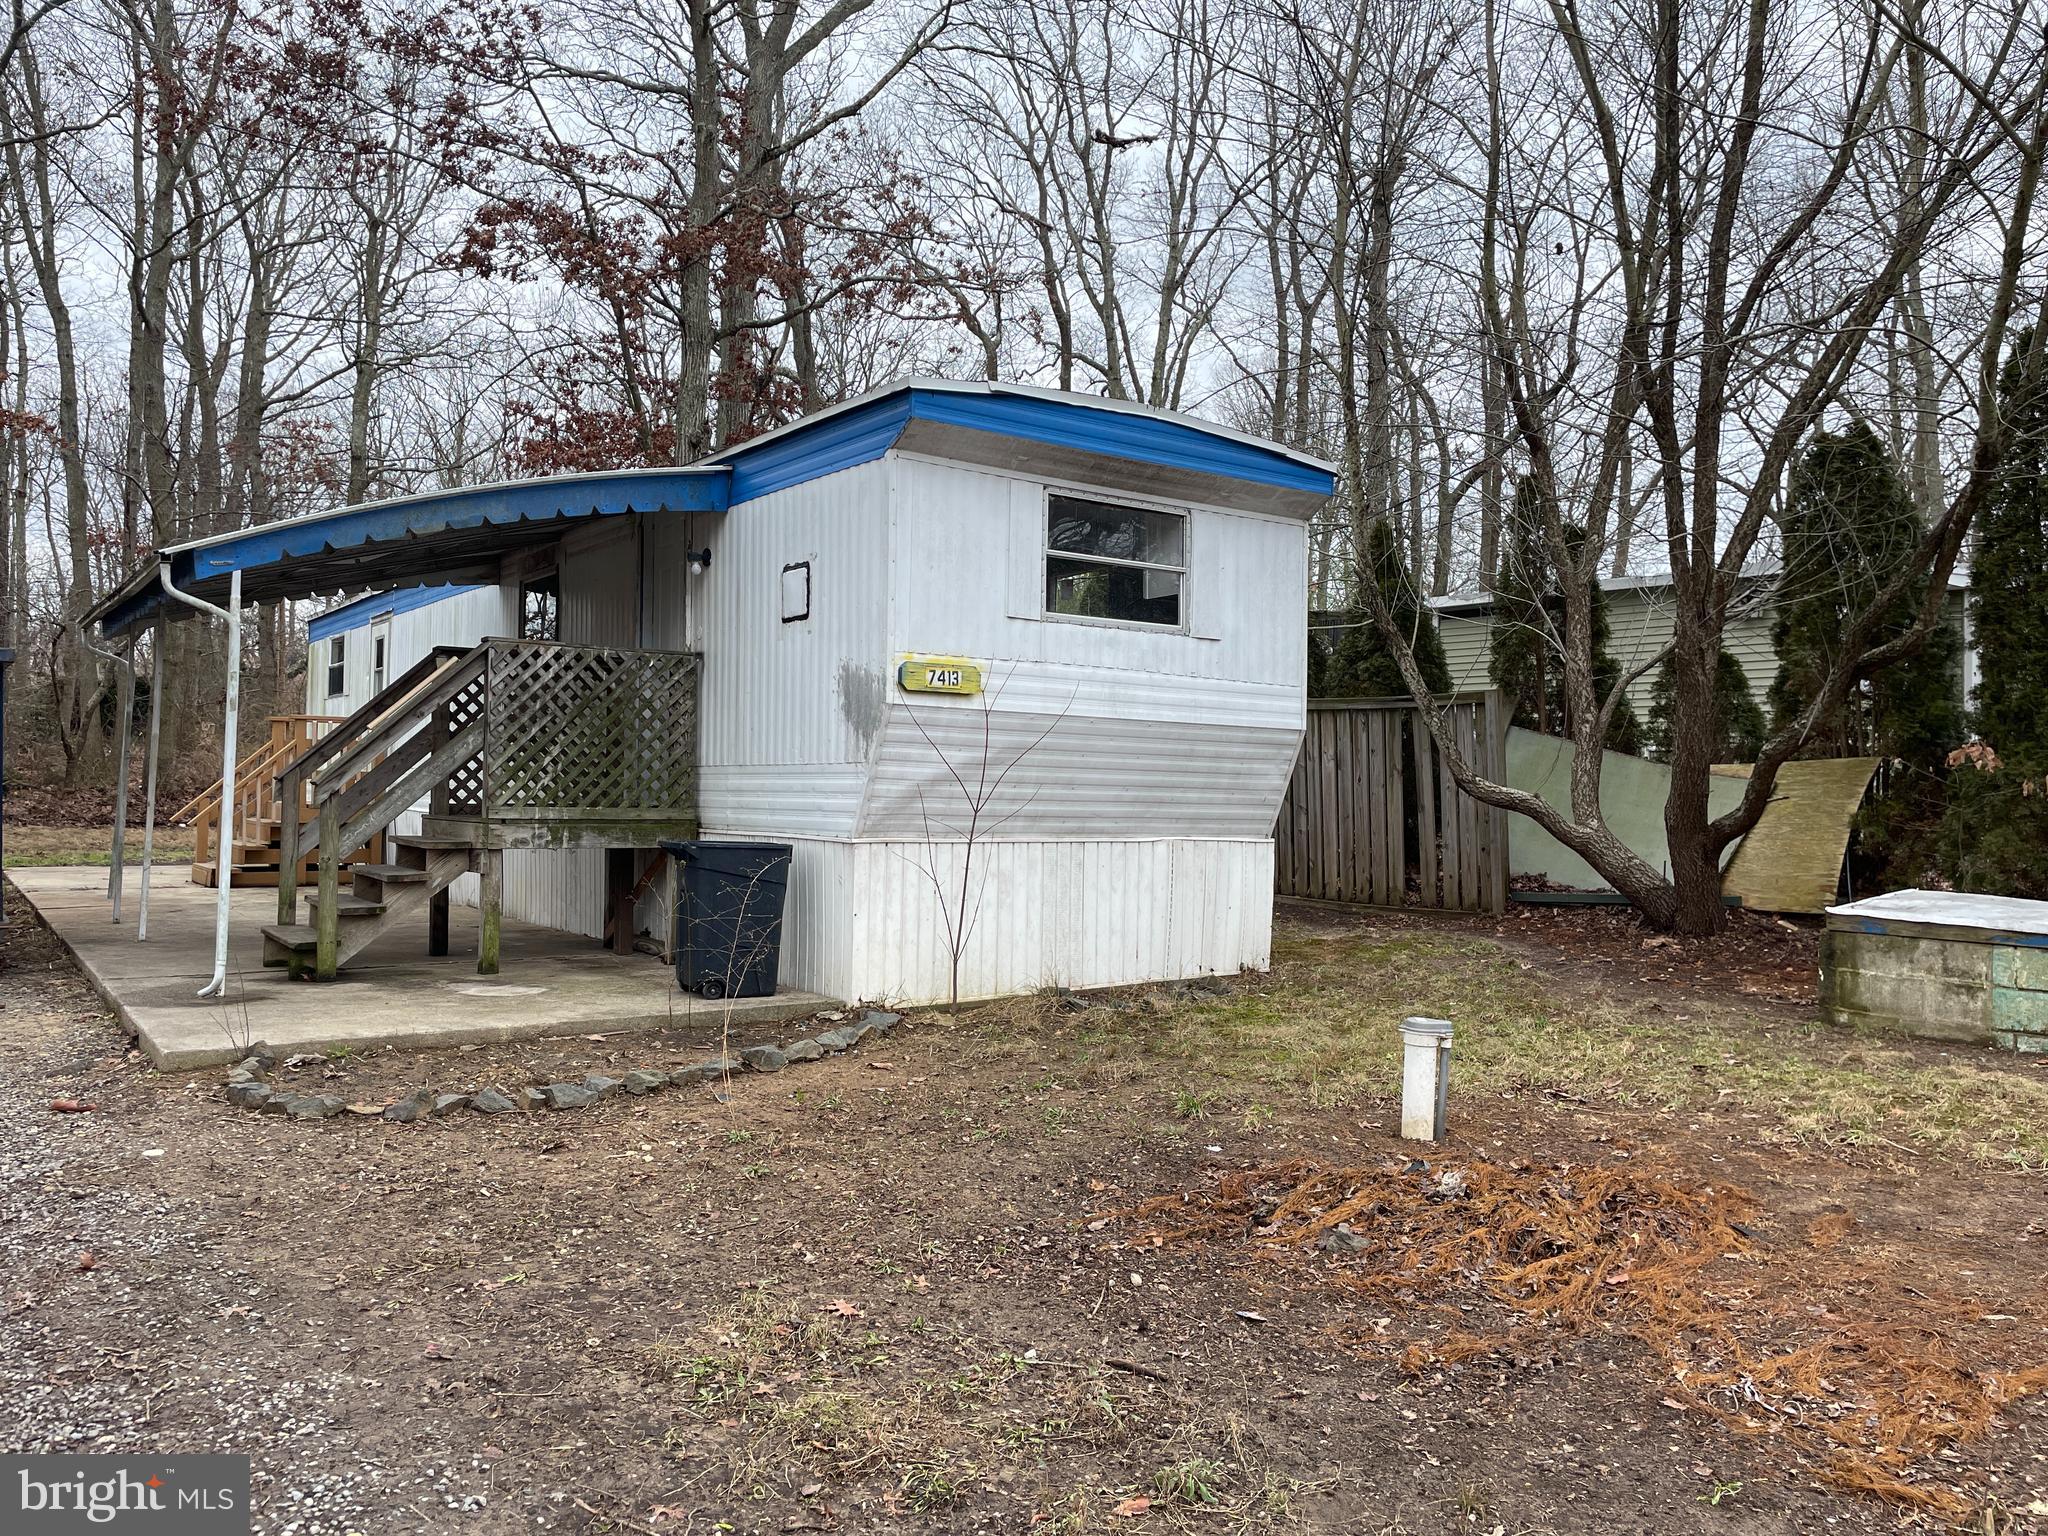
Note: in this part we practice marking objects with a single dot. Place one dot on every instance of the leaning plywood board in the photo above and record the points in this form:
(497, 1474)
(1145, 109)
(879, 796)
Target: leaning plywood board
(1792, 859)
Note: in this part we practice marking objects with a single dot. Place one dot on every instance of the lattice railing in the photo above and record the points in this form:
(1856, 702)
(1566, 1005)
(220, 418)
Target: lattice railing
(464, 790)
(584, 732)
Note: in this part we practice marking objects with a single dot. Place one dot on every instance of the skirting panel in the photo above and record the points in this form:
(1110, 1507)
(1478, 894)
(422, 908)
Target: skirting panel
(870, 920)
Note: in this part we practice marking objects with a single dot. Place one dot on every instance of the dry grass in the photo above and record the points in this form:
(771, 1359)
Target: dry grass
(33, 847)
(1323, 1025)
(1862, 1378)
(924, 1419)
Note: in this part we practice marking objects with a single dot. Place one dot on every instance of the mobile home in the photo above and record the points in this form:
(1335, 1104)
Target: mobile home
(992, 659)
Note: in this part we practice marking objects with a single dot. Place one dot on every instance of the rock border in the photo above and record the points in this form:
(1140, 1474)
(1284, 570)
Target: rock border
(249, 1085)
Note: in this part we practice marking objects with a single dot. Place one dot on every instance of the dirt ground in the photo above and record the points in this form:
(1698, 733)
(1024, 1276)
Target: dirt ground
(893, 1291)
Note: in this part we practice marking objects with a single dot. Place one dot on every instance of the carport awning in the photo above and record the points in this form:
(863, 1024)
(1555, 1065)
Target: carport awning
(443, 536)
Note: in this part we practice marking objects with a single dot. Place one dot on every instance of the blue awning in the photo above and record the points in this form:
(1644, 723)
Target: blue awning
(439, 538)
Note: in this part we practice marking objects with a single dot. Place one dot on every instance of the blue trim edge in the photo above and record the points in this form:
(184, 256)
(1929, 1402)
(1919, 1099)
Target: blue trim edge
(1120, 435)
(353, 615)
(866, 432)
(852, 437)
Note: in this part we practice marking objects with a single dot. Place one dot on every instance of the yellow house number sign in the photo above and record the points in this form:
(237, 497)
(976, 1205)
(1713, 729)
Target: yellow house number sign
(938, 674)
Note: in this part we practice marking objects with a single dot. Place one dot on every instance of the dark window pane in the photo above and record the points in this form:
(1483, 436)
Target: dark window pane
(1120, 533)
(540, 609)
(1089, 590)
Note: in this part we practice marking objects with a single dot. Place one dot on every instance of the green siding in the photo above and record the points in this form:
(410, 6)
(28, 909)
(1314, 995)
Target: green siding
(1640, 618)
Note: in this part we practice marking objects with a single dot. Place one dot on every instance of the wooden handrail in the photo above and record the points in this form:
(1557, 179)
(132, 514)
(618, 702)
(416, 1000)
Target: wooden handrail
(348, 727)
(353, 745)
(209, 798)
(419, 704)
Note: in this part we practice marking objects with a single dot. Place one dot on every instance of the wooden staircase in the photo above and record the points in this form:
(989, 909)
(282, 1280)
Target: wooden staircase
(509, 744)
(398, 749)
(380, 896)
(259, 812)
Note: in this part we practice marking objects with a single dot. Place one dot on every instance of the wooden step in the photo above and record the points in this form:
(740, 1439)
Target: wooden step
(384, 896)
(291, 939)
(247, 876)
(417, 851)
(373, 881)
(346, 904)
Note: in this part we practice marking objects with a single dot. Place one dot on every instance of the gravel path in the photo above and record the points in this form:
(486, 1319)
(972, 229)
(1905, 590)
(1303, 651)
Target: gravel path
(134, 1318)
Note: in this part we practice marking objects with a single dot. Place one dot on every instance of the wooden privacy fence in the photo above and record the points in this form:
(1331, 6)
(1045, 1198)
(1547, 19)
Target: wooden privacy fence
(1372, 814)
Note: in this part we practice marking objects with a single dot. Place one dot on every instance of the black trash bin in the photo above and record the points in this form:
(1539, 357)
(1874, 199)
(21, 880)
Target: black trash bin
(729, 916)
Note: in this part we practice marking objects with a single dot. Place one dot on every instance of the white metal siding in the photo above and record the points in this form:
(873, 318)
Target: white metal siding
(460, 620)
(970, 545)
(600, 581)
(862, 919)
(1078, 913)
(1100, 731)
(1042, 775)
(788, 713)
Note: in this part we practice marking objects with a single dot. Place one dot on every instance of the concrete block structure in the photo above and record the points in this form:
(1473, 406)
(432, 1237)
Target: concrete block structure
(1942, 965)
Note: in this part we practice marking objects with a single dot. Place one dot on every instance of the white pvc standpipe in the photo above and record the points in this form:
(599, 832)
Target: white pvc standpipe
(1425, 1077)
(233, 614)
(156, 714)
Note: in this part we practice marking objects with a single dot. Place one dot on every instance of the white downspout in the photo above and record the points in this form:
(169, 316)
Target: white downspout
(115, 862)
(156, 713)
(218, 987)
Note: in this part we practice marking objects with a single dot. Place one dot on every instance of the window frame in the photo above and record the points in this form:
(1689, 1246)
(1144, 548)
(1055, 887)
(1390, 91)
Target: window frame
(337, 665)
(545, 585)
(787, 571)
(1046, 554)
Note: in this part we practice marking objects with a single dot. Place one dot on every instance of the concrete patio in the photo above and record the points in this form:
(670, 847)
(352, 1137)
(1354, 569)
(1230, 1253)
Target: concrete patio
(393, 994)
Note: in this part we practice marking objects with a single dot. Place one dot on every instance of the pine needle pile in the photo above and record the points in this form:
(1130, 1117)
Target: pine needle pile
(1853, 1373)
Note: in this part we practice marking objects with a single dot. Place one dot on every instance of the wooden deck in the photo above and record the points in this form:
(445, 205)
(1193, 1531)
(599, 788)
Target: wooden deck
(511, 744)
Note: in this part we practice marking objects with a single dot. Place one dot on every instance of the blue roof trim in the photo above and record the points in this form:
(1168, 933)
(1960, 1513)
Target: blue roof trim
(700, 488)
(1121, 435)
(838, 442)
(592, 496)
(352, 615)
(863, 433)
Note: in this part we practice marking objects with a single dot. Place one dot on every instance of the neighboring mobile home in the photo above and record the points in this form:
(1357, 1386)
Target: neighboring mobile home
(1047, 645)
(1639, 617)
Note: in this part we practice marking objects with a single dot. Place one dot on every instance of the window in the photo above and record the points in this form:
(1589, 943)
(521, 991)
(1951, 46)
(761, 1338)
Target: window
(1104, 561)
(380, 650)
(337, 665)
(540, 608)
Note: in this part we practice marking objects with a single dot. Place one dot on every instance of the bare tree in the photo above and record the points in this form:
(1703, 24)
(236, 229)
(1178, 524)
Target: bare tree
(1691, 241)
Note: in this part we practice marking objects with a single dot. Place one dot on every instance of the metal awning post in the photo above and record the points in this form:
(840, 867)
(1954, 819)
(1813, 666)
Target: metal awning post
(116, 855)
(6, 661)
(233, 614)
(156, 713)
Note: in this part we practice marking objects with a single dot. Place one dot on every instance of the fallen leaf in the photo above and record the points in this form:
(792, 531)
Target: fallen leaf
(72, 1106)
(87, 1261)
(1133, 1507)
(841, 1307)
